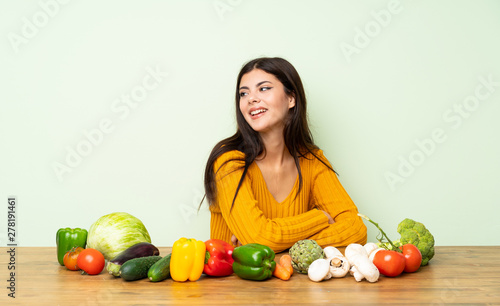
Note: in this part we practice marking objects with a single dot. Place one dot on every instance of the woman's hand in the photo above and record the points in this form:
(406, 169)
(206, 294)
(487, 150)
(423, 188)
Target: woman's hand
(330, 219)
(235, 241)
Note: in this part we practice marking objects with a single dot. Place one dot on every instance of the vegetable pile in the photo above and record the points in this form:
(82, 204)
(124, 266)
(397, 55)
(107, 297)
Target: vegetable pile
(412, 232)
(124, 242)
(141, 249)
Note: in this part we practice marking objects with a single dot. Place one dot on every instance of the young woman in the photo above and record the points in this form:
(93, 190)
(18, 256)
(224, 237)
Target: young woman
(269, 183)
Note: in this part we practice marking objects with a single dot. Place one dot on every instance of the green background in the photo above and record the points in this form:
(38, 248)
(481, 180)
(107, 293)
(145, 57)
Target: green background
(389, 83)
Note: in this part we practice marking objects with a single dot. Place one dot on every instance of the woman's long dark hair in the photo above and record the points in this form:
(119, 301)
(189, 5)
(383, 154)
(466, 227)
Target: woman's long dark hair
(298, 137)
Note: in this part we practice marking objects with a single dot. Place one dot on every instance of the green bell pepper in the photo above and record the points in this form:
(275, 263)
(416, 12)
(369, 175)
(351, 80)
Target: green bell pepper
(254, 261)
(67, 238)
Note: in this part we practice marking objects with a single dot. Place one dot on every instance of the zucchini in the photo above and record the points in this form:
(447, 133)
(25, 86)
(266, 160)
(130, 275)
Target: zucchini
(160, 270)
(137, 268)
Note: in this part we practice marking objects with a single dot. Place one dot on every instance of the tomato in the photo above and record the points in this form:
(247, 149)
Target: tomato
(412, 256)
(389, 263)
(70, 258)
(91, 261)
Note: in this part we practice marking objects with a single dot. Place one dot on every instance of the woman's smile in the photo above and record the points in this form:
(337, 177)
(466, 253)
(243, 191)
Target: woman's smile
(257, 112)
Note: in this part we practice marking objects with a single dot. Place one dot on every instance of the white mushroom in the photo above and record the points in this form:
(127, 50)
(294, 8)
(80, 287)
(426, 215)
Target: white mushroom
(339, 265)
(361, 266)
(319, 270)
(357, 276)
(372, 249)
(331, 252)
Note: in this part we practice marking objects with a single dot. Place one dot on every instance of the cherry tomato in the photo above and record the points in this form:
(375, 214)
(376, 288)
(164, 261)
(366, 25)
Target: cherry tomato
(389, 263)
(70, 258)
(412, 256)
(91, 261)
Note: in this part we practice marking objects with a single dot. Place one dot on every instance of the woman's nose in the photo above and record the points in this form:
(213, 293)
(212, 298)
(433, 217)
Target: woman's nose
(253, 99)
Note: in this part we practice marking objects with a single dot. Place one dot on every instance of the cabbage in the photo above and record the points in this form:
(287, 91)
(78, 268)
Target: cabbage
(114, 233)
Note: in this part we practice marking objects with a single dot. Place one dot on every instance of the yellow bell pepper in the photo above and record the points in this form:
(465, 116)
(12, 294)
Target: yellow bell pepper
(188, 260)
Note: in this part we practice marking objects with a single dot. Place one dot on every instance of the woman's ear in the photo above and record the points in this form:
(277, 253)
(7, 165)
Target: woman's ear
(291, 101)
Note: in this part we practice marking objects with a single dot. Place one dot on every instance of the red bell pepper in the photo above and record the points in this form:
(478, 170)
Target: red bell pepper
(218, 258)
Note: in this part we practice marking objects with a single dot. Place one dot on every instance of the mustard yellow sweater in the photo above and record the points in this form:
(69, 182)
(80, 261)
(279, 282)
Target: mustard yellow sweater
(257, 217)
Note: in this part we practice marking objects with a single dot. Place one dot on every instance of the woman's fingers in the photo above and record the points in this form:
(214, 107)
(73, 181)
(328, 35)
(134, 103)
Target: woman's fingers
(330, 219)
(235, 241)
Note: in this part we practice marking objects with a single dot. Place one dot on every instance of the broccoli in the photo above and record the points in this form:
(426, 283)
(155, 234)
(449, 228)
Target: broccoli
(417, 234)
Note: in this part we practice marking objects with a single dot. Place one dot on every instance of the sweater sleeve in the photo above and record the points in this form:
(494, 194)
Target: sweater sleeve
(247, 221)
(330, 196)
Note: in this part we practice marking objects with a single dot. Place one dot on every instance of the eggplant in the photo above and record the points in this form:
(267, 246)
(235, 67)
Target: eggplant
(141, 249)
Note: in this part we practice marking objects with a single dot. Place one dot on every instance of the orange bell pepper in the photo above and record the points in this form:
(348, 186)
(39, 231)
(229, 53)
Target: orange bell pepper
(188, 260)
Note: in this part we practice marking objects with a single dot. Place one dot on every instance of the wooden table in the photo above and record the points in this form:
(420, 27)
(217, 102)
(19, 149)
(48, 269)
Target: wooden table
(455, 275)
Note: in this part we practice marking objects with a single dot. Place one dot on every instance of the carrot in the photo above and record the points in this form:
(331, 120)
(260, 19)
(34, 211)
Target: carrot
(281, 272)
(286, 261)
(284, 269)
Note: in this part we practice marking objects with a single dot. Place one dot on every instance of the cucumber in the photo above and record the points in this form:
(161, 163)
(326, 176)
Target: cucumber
(137, 268)
(160, 270)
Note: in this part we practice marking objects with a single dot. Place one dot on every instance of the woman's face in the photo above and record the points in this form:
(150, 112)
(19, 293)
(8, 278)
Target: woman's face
(263, 101)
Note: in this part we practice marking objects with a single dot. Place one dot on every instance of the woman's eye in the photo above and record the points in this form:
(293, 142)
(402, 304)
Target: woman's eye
(242, 94)
(264, 88)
